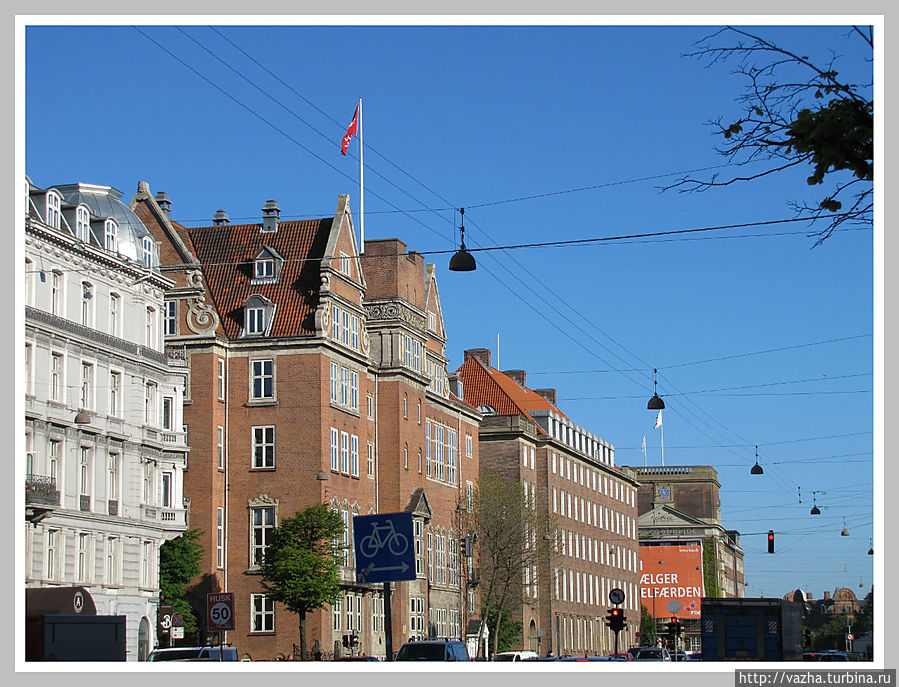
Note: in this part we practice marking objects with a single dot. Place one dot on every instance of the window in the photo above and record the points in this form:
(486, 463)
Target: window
(354, 333)
(335, 382)
(345, 334)
(55, 453)
(346, 539)
(256, 320)
(405, 458)
(468, 445)
(262, 522)
(56, 286)
(220, 446)
(418, 411)
(371, 460)
(264, 447)
(114, 308)
(170, 318)
(83, 562)
(263, 618)
(147, 245)
(87, 304)
(56, 369)
(150, 403)
(405, 407)
(221, 379)
(370, 404)
(344, 453)
(84, 477)
(432, 321)
(416, 355)
(112, 486)
(149, 482)
(82, 223)
(344, 385)
(417, 630)
(419, 462)
(111, 236)
(354, 390)
(29, 364)
(407, 351)
(52, 554)
(151, 328)
(168, 413)
(354, 455)
(220, 538)
(263, 379)
(335, 450)
(29, 282)
(167, 500)
(112, 560)
(335, 323)
(265, 268)
(53, 210)
(418, 532)
(115, 391)
(469, 495)
(345, 264)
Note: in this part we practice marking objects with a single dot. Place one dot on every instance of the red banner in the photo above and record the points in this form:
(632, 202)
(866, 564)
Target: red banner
(671, 573)
(350, 132)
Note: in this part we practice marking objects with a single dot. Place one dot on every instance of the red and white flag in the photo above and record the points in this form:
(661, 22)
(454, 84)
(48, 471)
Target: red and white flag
(658, 421)
(350, 132)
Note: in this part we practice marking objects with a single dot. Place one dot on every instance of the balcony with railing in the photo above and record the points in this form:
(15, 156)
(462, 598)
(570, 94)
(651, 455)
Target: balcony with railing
(41, 496)
(169, 517)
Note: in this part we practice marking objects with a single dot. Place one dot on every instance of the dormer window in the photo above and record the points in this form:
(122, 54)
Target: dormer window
(267, 265)
(265, 268)
(53, 203)
(258, 315)
(147, 245)
(82, 223)
(110, 236)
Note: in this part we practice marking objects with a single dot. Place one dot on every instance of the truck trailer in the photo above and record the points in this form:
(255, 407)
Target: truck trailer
(751, 629)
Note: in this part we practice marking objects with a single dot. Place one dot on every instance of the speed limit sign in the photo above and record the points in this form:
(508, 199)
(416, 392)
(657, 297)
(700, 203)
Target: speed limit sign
(220, 611)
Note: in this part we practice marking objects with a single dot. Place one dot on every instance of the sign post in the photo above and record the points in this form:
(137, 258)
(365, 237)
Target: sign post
(385, 552)
(220, 616)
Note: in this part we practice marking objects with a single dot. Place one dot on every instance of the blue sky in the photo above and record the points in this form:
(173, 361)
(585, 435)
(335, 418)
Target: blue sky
(481, 117)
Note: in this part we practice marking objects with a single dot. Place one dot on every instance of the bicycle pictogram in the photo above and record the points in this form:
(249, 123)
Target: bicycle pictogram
(384, 535)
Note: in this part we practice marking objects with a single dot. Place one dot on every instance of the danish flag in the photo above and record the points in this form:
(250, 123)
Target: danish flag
(350, 132)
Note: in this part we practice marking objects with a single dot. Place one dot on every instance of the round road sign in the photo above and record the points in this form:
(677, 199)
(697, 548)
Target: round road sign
(616, 596)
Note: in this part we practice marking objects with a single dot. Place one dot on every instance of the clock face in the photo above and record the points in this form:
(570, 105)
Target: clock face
(664, 492)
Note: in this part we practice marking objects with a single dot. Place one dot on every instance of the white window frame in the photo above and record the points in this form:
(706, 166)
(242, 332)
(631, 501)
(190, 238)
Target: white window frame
(115, 311)
(259, 375)
(263, 449)
(344, 453)
(221, 378)
(115, 391)
(147, 252)
(371, 460)
(87, 304)
(354, 455)
(87, 385)
(53, 210)
(82, 224)
(57, 293)
(220, 538)
(170, 318)
(111, 236)
(57, 376)
(255, 320)
(220, 446)
(265, 268)
(335, 449)
(151, 327)
(262, 524)
(262, 614)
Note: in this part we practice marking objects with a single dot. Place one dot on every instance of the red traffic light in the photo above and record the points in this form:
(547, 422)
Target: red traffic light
(614, 612)
(770, 541)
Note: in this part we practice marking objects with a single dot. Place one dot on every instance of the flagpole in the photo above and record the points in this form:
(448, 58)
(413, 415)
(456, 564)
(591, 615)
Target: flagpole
(644, 451)
(361, 185)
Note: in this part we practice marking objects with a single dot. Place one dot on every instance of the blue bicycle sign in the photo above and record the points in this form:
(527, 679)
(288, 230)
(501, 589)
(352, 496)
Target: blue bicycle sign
(384, 551)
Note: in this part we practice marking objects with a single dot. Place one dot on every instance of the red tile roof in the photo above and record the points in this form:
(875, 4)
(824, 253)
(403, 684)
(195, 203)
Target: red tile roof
(226, 253)
(488, 386)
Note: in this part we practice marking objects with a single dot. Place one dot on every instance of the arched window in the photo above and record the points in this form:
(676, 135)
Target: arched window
(258, 314)
(147, 251)
(53, 203)
(82, 224)
(110, 236)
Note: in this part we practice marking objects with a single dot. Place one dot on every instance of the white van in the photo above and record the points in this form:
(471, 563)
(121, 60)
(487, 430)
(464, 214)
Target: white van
(514, 655)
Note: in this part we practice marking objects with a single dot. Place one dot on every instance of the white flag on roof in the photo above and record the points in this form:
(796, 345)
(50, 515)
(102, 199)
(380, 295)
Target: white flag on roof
(658, 421)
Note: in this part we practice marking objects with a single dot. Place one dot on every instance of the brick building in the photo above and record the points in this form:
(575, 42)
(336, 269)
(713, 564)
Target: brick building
(682, 502)
(316, 375)
(591, 502)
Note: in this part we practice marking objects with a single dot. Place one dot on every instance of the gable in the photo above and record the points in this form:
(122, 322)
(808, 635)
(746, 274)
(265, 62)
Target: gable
(418, 504)
(669, 517)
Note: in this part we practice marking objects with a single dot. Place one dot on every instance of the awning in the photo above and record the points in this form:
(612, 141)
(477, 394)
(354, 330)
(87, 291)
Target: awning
(59, 600)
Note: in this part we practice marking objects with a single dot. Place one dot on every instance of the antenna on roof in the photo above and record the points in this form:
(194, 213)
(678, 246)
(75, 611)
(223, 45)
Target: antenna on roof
(497, 352)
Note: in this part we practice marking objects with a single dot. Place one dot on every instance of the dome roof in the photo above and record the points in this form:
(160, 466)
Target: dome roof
(104, 203)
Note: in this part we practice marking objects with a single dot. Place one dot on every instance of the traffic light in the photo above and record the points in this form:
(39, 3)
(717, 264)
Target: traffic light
(770, 541)
(354, 640)
(467, 546)
(346, 641)
(674, 628)
(616, 620)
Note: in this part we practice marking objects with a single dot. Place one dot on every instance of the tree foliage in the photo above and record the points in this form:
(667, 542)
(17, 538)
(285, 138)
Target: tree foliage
(508, 631)
(300, 565)
(710, 568)
(512, 537)
(796, 113)
(179, 563)
(647, 626)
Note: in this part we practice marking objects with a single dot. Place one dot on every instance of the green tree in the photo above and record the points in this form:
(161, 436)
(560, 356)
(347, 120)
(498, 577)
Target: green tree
(508, 630)
(179, 563)
(647, 626)
(299, 567)
(710, 568)
(512, 537)
(796, 113)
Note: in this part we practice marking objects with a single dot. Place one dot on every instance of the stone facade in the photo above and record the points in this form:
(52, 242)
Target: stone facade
(104, 446)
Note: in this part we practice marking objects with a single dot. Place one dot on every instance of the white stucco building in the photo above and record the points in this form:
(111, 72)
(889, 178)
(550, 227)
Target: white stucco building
(105, 447)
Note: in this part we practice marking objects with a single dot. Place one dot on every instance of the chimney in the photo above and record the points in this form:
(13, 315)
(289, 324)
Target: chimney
(826, 596)
(520, 377)
(270, 215)
(482, 354)
(220, 217)
(162, 199)
(548, 394)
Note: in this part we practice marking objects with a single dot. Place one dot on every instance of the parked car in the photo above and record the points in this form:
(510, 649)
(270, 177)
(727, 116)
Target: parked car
(433, 650)
(621, 657)
(650, 653)
(357, 658)
(514, 655)
(194, 653)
